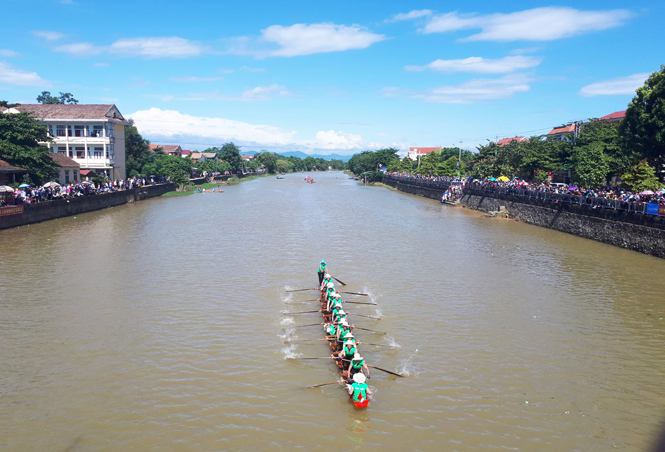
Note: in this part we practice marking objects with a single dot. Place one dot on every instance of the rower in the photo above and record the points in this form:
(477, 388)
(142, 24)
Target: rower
(343, 330)
(326, 279)
(347, 352)
(329, 291)
(359, 389)
(335, 303)
(322, 270)
(339, 316)
(331, 329)
(358, 365)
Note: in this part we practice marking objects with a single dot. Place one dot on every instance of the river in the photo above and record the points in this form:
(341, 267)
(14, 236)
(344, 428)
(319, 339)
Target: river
(160, 326)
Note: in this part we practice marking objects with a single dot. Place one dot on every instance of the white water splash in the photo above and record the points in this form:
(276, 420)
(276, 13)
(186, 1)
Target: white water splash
(374, 391)
(287, 297)
(392, 342)
(378, 312)
(289, 334)
(407, 367)
(287, 287)
(290, 352)
(287, 321)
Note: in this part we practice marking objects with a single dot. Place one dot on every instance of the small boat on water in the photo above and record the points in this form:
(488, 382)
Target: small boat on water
(280, 176)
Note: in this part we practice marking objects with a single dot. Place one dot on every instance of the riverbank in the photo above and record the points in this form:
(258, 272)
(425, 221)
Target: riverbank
(50, 210)
(630, 230)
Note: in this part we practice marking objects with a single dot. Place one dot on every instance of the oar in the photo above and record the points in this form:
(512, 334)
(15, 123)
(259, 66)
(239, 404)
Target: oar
(355, 293)
(329, 357)
(378, 345)
(301, 312)
(384, 370)
(373, 331)
(311, 324)
(341, 282)
(300, 290)
(304, 340)
(360, 302)
(323, 384)
(368, 316)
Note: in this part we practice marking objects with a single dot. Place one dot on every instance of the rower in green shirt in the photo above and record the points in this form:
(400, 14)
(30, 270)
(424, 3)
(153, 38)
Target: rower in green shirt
(322, 270)
(359, 389)
(357, 365)
(334, 303)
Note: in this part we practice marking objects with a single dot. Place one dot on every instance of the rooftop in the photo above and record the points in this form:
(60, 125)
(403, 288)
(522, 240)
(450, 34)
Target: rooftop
(71, 111)
(5, 167)
(63, 161)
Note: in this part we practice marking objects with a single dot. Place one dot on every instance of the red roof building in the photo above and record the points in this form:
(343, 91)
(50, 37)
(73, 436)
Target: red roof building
(505, 141)
(9, 173)
(414, 153)
(561, 133)
(617, 116)
(186, 152)
(167, 149)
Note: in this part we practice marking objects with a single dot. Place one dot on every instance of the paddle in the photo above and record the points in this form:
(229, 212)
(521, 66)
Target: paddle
(378, 345)
(304, 340)
(360, 302)
(384, 370)
(354, 293)
(300, 290)
(341, 282)
(368, 316)
(329, 357)
(373, 331)
(301, 312)
(323, 384)
(311, 324)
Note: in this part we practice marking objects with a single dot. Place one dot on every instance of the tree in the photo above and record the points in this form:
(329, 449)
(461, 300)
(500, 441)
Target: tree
(406, 165)
(369, 160)
(137, 151)
(590, 165)
(448, 167)
(393, 166)
(269, 160)
(429, 164)
(643, 129)
(20, 135)
(282, 165)
(230, 153)
(64, 98)
(641, 177)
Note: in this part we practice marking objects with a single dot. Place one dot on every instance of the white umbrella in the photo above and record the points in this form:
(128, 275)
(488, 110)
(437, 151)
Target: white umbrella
(6, 189)
(51, 184)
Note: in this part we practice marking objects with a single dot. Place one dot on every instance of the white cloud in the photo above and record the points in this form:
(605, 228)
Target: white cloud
(156, 47)
(80, 48)
(8, 53)
(303, 39)
(480, 65)
(17, 77)
(338, 140)
(190, 78)
(251, 94)
(539, 24)
(48, 35)
(473, 91)
(252, 69)
(172, 47)
(221, 70)
(415, 14)
(615, 86)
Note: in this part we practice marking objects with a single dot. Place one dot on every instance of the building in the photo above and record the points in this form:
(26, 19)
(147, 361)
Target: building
(68, 169)
(10, 174)
(197, 156)
(415, 153)
(92, 135)
(248, 158)
(617, 116)
(561, 133)
(186, 152)
(209, 156)
(167, 149)
(504, 141)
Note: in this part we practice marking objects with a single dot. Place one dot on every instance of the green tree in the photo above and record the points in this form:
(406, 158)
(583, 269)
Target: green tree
(590, 165)
(641, 177)
(137, 151)
(269, 160)
(394, 165)
(406, 165)
(643, 129)
(282, 165)
(231, 153)
(448, 167)
(369, 160)
(20, 135)
(64, 98)
(429, 164)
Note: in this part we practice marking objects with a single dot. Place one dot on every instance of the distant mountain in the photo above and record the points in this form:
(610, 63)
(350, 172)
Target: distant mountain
(302, 155)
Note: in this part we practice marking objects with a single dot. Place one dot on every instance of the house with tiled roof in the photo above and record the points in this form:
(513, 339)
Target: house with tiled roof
(186, 152)
(68, 169)
(414, 153)
(617, 116)
(93, 135)
(167, 149)
(504, 141)
(210, 156)
(197, 156)
(10, 174)
(561, 133)
(248, 158)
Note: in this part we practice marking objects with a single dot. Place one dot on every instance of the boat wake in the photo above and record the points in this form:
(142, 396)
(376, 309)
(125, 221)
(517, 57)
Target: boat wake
(378, 312)
(290, 352)
(287, 321)
(286, 297)
(392, 342)
(289, 334)
(407, 367)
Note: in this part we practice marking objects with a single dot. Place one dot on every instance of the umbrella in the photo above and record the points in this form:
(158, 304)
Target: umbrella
(573, 188)
(23, 186)
(647, 192)
(492, 179)
(475, 180)
(6, 189)
(51, 184)
(85, 183)
(503, 179)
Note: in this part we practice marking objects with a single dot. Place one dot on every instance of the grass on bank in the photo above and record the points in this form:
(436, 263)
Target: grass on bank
(190, 190)
(381, 184)
(177, 193)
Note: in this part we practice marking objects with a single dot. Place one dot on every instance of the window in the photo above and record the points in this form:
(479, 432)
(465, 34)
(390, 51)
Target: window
(69, 131)
(66, 176)
(109, 152)
(60, 130)
(78, 131)
(97, 131)
(99, 152)
(50, 130)
(62, 150)
(80, 152)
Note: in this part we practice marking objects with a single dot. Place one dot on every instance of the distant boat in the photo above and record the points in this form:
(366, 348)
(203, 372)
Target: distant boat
(280, 176)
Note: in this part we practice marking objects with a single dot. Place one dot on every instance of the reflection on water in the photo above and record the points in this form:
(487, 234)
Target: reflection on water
(161, 326)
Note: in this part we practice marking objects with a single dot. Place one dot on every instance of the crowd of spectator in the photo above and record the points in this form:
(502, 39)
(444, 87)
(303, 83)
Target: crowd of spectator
(51, 191)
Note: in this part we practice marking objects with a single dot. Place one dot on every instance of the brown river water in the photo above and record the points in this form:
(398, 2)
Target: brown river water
(160, 326)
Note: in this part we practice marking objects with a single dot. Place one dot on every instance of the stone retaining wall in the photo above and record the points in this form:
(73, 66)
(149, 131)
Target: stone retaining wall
(44, 211)
(634, 231)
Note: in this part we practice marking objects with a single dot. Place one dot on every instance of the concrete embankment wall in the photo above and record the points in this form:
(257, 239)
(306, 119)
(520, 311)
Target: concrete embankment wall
(44, 211)
(633, 231)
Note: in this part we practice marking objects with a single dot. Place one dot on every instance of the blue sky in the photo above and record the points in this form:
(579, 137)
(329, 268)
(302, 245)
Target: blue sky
(337, 77)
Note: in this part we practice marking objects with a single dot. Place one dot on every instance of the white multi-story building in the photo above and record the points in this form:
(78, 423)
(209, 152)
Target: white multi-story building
(92, 135)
